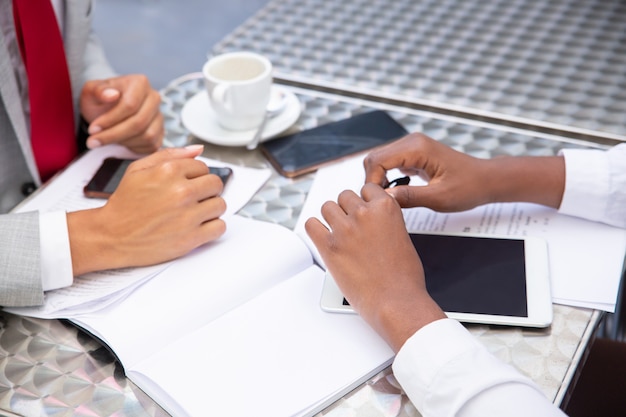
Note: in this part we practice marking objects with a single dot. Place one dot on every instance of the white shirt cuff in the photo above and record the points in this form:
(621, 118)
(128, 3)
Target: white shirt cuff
(587, 184)
(56, 257)
(442, 367)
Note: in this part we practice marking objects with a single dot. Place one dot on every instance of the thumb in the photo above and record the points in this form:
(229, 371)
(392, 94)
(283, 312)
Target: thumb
(411, 196)
(109, 95)
(100, 95)
(105, 92)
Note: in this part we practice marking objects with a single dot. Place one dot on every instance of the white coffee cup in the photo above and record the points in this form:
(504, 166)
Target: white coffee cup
(239, 85)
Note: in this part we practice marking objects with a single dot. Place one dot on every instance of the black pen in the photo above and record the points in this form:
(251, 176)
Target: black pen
(398, 181)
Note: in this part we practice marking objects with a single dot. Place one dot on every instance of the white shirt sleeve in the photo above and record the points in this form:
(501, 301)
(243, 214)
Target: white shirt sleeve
(445, 371)
(595, 185)
(56, 257)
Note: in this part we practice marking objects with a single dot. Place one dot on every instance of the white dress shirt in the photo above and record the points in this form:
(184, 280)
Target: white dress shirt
(56, 256)
(446, 372)
(595, 185)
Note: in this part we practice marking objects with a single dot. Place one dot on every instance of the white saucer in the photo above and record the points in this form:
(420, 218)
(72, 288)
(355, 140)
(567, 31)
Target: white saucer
(198, 117)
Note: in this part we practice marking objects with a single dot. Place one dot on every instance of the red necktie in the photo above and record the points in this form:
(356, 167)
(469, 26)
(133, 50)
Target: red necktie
(49, 89)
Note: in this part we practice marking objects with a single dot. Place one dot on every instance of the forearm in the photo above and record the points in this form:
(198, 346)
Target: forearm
(90, 246)
(530, 179)
(398, 319)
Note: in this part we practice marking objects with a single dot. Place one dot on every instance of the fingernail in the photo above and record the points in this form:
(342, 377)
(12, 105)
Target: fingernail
(110, 93)
(93, 129)
(93, 143)
(194, 147)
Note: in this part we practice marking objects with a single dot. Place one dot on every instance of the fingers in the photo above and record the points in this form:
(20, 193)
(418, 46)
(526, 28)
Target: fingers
(138, 128)
(198, 212)
(208, 210)
(370, 192)
(205, 186)
(394, 155)
(201, 224)
(411, 196)
(349, 201)
(100, 92)
(133, 91)
(212, 230)
(167, 154)
(317, 231)
(207, 232)
(123, 110)
(106, 93)
(174, 164)
(433, 196)
(455, 180)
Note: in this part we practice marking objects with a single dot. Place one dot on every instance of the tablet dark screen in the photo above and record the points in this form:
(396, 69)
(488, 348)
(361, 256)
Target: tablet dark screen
(473, 274)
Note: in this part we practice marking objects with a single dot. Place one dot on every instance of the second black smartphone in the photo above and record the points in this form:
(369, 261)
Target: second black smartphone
(307, 150)
(108, 177)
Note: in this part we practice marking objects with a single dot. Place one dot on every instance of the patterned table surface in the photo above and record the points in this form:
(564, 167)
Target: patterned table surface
(554, 64)
(50, 368)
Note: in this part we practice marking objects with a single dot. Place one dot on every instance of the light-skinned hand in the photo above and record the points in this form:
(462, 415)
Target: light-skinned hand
(166, 205)
(123, 110)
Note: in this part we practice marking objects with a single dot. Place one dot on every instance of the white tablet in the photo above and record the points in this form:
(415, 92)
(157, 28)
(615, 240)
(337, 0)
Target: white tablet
(478, 279)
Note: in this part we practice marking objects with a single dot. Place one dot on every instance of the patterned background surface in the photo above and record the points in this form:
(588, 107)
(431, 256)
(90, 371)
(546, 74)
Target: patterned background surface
(49, 368)
(550, 62)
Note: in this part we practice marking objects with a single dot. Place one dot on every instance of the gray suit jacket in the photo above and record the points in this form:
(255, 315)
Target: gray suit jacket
(20, 265)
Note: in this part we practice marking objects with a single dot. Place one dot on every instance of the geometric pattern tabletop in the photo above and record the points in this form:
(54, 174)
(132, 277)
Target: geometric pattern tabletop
(552, 64)
(51, 368)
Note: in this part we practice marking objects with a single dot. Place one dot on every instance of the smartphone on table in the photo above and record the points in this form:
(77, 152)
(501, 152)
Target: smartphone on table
(110, 173)
(306, 151)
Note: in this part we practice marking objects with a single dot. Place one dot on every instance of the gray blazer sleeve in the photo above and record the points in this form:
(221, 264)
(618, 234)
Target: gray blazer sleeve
(85, 56)
(20, 263)
(20, 257)
(96, 64)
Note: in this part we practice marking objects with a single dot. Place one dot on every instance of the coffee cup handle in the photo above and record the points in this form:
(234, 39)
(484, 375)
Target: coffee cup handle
(219, 97)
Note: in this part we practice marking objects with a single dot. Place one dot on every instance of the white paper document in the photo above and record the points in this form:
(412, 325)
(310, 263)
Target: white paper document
(586, 258)
(66, 191)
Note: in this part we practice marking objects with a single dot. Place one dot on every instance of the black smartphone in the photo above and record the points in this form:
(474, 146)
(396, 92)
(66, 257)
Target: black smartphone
(108, 177)
(307, 150)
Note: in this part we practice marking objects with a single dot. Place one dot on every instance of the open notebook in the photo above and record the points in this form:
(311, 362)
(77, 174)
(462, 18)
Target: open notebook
(234, 328)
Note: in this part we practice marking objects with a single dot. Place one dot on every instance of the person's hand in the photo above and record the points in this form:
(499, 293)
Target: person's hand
(166, 205)
(457, 181)
(123, 110)
(370, 255)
